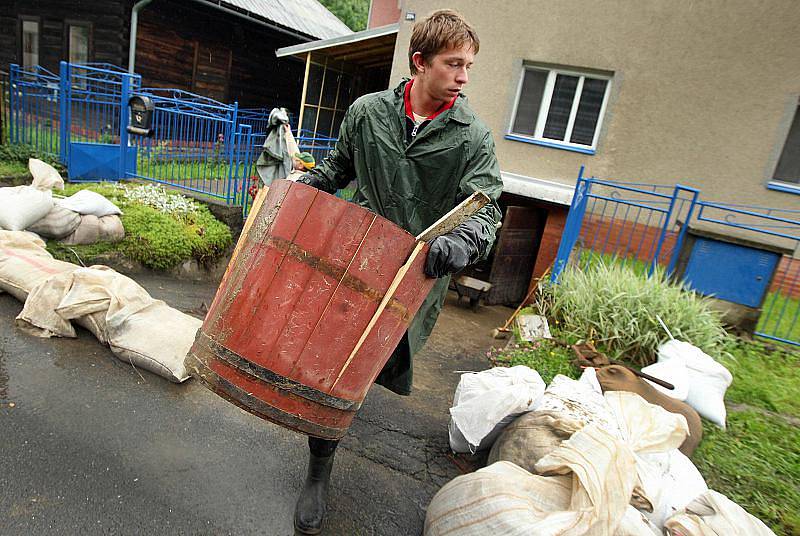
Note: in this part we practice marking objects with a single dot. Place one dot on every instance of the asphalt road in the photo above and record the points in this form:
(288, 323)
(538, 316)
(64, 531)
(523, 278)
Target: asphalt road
(89, 445)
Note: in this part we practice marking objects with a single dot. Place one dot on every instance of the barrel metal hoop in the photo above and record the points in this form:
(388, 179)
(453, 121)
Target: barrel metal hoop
(281, 382)
(248, 402)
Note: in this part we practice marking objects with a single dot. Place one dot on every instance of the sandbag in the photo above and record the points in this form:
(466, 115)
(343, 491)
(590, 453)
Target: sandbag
(680, 483)
(45, 176)
(487, 401)
(93, 230)
(531, 437)
(143, 341)
(58, 223)
(87, 232)
(646, 429)
(674, 372)
(589, 481)
(111, 229)
(713, 514)
(24, 263)
(708, 379)
(22, 206)
(134, 321)
(578, 401)
(619, 378)
(89, 202)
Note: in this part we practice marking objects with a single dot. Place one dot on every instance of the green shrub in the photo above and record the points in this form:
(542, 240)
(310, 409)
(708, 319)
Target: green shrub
(153, 238)
(617, 308)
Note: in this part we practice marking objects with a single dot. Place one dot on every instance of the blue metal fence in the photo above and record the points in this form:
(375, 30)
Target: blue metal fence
(199, 145)
(645, 226)
(5, 106)
(34, 109)
(634, 222)
(196, 145)
(93, 120)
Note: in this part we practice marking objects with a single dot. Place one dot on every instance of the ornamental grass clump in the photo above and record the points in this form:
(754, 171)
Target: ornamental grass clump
(613, 306)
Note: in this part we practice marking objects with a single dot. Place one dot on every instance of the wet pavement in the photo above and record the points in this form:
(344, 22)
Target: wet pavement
(90, 445)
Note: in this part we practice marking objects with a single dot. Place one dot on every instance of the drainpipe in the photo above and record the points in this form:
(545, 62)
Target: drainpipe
(137, 7)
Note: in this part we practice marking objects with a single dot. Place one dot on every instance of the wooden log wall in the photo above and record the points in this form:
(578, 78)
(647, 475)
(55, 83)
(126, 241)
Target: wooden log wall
(180, 44)
(217, 55)
(108, 41)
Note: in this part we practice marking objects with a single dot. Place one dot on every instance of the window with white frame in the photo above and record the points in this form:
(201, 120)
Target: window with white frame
(30, 43)
(559, 106)
(788, 169)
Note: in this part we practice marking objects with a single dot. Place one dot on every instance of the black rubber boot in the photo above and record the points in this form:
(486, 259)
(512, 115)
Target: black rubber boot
(310, 509)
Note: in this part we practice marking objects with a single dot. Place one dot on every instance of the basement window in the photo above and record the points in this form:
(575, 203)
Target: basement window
(787, 172)
(559, 108)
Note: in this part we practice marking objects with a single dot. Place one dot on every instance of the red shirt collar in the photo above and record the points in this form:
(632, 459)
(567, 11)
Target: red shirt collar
(407, 102)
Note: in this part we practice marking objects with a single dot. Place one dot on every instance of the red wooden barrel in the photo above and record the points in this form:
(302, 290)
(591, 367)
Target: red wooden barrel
(310, 274)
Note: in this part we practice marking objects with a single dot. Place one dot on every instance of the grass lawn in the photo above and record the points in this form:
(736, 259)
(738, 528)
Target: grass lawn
(756, 461)
(780, 317)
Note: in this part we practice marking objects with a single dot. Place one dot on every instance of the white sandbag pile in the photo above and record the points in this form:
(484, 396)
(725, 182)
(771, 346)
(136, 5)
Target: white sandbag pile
(83, 218)
(139, 329)
(582, 462)
(583, 487)
(487, 401)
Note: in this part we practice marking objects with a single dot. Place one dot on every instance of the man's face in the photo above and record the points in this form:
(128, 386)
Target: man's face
(447, 73)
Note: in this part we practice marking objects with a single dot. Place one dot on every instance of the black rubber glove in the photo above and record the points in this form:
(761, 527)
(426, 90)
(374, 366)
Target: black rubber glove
(314, 182)
(454, 251)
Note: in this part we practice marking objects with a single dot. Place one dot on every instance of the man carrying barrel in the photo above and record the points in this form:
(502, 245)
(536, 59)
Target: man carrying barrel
(415, 151)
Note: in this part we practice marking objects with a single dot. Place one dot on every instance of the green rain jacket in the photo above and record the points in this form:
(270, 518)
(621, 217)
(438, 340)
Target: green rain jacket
(413, 185)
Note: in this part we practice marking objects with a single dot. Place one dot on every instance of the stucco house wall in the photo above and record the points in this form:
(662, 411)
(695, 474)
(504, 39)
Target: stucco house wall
(701, 93)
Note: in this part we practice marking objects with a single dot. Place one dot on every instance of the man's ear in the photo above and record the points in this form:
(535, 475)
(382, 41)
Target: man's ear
(419, 61)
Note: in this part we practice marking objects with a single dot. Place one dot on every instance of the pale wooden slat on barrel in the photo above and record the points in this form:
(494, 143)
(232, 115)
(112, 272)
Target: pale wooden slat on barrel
(251, 217)
(455, 217)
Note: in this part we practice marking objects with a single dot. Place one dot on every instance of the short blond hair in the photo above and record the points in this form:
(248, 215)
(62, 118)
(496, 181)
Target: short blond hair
(441, 30)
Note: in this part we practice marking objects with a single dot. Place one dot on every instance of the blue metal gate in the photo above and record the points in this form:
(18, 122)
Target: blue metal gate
(94, 117)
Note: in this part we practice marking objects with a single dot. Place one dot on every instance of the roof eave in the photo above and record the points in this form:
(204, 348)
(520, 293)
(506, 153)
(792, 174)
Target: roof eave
(336, 41)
